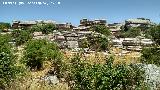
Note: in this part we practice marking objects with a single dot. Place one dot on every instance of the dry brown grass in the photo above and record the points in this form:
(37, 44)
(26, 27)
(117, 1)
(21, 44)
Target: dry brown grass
(100, 58)
(31, 81)
(92, 58)
(128, 58)
(35, 85)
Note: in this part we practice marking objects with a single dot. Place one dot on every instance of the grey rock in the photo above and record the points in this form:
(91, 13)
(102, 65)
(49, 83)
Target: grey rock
(50, 79)
(152, 75)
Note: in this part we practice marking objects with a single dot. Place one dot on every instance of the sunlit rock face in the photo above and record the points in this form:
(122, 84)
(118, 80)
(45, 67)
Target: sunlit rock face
(152, 75)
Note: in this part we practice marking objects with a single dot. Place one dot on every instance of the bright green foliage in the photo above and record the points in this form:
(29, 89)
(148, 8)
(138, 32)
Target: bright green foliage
(44, 28)
(131, 33)
(21, 36)
(151, 55)
(5, 39)
(38, 51)
(85, 76)
(101, 29)
(8, 70)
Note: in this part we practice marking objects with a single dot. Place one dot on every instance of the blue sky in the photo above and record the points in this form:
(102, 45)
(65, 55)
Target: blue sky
(74, 10)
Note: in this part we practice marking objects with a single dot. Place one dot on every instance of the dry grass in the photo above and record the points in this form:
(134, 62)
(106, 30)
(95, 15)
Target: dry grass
(35, 85)
(100, 58)
(32, 81)
(92, 58)
(128, 58)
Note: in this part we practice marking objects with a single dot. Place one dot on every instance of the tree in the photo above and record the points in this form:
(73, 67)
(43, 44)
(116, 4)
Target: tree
(101, 29)
(131, 33)
(48, 28)
(98, 42)
(5, 38)
(154, 32)
(44, 28)
(38, 51)
(151, 56)
(21, 36)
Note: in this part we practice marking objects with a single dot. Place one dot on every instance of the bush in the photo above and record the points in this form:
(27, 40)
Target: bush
(44, 28)
(131, 33)
(84, 76)
(98, 42)
(21, 36)
(101, 29)
(151, 56)
(8, 70)
(38, 51)
(154, 32)
(84, 43)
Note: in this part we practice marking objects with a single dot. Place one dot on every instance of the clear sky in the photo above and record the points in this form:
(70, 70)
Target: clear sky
(74, 10)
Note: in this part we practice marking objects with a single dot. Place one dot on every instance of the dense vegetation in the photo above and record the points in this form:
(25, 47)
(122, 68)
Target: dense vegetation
(21, 36)
(8, 70)
(95, 42)
(101, 29)
(85, 76)
(130, 33)
(154, 33)
(44, 28)
(98, 42)
(38, 51)
(151, 55)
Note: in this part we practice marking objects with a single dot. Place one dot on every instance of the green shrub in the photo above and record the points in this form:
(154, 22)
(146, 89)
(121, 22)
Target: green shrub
(101, 29)
(44, 28)
(130, 33)
(8, 70)
(38, 51)
(98, 42)
(21, 36)
(151, 56)
(84, 76)
(154, 32)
